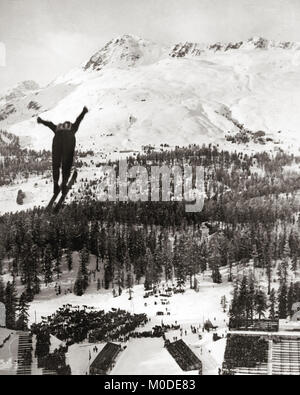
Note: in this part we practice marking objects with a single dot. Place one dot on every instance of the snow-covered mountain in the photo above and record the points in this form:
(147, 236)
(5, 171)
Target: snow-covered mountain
(125, 51)
(196, 49)
(20, 90)
(139, 92)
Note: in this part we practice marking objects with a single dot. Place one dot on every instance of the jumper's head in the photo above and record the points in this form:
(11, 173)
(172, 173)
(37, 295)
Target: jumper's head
(64, 126)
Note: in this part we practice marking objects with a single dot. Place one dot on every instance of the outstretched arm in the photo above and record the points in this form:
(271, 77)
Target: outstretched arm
(47, 123)
(77, 123)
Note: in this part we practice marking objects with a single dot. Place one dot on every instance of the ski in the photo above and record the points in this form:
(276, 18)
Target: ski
(71, 182)
(54, 197)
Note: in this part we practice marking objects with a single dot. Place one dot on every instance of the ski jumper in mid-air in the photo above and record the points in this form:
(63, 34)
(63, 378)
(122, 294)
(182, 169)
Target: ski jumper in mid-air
(63, 148)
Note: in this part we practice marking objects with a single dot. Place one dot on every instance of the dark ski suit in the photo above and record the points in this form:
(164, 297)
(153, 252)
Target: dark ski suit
(63, 148)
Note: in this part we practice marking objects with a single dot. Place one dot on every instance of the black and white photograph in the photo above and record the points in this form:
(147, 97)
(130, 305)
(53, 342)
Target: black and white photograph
(149, 190)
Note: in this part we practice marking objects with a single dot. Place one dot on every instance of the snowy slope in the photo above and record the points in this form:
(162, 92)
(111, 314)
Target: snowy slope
(20, 90)
(140, 93)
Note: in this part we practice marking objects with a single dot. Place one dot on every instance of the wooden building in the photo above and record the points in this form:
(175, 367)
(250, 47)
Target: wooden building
(105, 359)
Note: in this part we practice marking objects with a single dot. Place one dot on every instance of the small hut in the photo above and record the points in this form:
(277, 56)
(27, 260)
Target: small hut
(105, 359)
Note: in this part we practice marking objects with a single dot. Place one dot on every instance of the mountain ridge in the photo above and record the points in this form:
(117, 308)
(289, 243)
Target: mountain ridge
(139, 94)
(133, 55)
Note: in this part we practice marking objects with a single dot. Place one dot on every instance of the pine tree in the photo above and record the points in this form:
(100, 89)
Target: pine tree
(48, 265)
(255, 256)
(290, 299)
(243, 297)
(94, 242)
(79, 285)
(23, 315)
(158, 265)
(35, 255)
(43, 342)
(193, 263)
(127, 261)
(250, 299)
(2, 291)
(230, 260)
(28, 266)
(16, 261)
(2, 256)
(215, 261)
(268, 259)
(297, 291)
(111, 259)
(10, 304)
(294, 263)
(272, 304)
(203, 256)
(119, 279)
(129, 280)
(294, 243)
(260, 303)
(235, 309)
(84, 261)
(36, 285)
(166, 256)
(179, 262)
(216, 275)
(285, 262)
(69, 259)
(151, 242)
(30, 291)
(58, 259)
(286, 250)
(102, 244)
(98, 284)
(224, 303)
(149, 278)
(282, 301)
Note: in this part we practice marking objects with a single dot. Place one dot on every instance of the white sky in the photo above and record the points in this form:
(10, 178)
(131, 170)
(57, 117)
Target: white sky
(45, 38)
